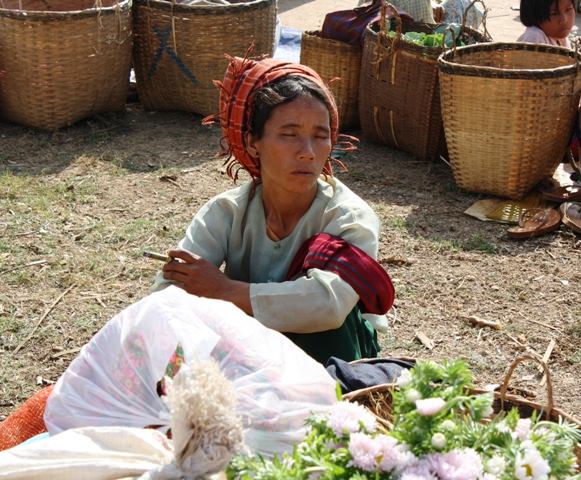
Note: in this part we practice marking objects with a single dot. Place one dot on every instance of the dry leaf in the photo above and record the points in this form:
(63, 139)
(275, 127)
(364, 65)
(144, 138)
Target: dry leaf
(425, 340)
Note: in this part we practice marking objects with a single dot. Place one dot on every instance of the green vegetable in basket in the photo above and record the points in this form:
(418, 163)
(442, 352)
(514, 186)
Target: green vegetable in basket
(440, 38)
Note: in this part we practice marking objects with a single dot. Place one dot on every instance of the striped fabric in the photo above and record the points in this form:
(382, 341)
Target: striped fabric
(243, 77)
(365, 275)
(349, 25)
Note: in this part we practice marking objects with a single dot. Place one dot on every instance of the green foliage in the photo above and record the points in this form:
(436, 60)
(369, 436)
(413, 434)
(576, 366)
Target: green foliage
(434, 414)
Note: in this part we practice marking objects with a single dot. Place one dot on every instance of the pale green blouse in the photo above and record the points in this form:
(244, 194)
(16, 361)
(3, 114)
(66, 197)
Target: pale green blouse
(231, 229)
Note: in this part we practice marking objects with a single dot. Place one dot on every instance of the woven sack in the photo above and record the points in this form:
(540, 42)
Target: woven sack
(399, 97)
(179, 49)
(333, 59)
(26, 422)
(378, 399)
(63, 60)
(508, 111)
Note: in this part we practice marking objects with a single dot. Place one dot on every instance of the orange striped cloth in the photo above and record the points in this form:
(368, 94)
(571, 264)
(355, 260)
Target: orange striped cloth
(243, 77)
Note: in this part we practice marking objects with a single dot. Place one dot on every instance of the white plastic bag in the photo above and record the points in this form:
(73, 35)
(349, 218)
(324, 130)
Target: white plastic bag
(115, 379)
(93, 453)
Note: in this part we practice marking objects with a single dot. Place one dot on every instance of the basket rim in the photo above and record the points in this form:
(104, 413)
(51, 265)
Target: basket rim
(434, 51)
(447, 63)
(168, 6)
(331, 41)
(59, 15)
(478, 391)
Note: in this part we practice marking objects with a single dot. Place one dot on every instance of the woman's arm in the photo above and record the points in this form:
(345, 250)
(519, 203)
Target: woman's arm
(317, 302)
(202, 278)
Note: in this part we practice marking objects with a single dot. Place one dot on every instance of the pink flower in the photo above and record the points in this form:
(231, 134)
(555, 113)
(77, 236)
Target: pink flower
(418, 471)
(393, 455)
(522, 429)
(364, 451)
(430, 406)
(346, 417)
(463, 464)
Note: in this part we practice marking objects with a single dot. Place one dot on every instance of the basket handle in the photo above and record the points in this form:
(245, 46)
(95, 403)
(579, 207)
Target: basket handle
(465, 16)
(518, 360)
(378, 55)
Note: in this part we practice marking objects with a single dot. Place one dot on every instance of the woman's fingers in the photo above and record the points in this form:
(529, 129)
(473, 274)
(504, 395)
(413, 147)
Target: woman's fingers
(180, 267)
(186, 257)
(178, 277)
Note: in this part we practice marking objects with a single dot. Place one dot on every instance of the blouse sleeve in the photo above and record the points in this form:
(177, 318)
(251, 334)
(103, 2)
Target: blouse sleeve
(206, 236)
(320, 300)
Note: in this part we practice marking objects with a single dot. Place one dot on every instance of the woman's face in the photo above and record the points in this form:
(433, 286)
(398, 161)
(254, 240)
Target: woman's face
(561, 19)
(295, 146)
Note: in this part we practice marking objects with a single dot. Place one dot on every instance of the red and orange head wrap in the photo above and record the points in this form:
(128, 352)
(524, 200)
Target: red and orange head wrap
(243, 77)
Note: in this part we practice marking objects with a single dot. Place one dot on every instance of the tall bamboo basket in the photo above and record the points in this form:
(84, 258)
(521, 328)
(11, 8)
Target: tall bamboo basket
(399, 95)
(63, 60)
(378, 399)
(179, 49)
(333, 59)
(508, 111)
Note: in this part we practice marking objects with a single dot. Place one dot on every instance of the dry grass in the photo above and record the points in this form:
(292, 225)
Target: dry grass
(85, 202)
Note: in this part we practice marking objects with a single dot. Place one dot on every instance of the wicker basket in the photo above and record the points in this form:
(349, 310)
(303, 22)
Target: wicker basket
(63, 60)
(399, 97)
(179, 49)
(378, 399)
(508, 111)
(334, 59)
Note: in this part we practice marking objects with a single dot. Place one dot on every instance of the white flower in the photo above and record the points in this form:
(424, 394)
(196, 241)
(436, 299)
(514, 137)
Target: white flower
(364, 451)
(503, 427)
(430, 406)
(448, 425)
(412, 395)
(522, 429)
(346, 417)
(463, 464)
(405, 378)
(438, 441)
(529, 465)
(496, 465)
(418, 471)
(393, 455)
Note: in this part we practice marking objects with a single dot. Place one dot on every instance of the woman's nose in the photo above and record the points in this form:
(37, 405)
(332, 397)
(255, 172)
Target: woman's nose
(307, 150)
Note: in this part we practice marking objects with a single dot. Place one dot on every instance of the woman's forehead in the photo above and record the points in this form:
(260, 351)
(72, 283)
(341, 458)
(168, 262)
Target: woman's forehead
(301, 110)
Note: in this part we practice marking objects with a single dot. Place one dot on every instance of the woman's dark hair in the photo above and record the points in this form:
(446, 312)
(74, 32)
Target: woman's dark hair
(533, 12)
(280, 92)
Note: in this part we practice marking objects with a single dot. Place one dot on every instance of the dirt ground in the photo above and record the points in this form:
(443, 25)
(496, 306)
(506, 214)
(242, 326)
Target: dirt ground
(78, 207)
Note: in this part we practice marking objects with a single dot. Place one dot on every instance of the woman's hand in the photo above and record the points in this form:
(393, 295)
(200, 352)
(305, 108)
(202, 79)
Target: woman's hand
(202, 278)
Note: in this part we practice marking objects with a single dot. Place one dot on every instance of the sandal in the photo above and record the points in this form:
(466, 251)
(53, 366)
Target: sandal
(554, 192)
(572, 215)
(535, 222)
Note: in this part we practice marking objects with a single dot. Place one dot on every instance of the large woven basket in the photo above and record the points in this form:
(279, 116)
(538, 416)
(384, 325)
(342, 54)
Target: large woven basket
(399, 97)
(179, 49)
(333, 59)
(378, 399)
(508, 111)
(63, 60)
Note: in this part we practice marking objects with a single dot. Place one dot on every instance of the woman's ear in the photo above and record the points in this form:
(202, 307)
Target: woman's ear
(251, 146)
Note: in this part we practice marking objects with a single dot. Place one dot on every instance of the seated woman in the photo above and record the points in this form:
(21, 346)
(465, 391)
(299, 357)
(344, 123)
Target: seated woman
(299, 247)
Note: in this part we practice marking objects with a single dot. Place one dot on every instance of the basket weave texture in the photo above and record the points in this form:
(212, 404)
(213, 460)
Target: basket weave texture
(334, 59)
(399, 97)
(179, 49)
(63, 60)
(508, 111)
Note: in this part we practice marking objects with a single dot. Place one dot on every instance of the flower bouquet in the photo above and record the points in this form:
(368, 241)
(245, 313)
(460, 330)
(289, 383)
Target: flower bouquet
(440, 432)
